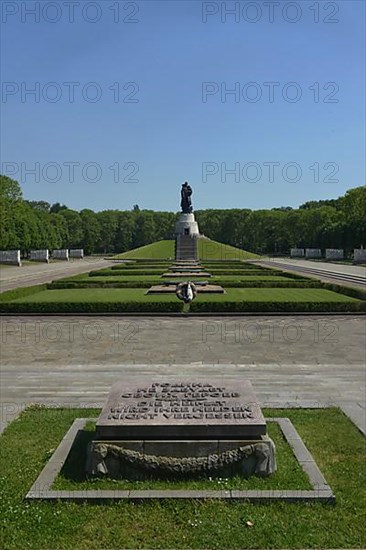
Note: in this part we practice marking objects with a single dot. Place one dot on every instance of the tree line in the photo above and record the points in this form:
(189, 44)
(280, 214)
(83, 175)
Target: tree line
(334, 223)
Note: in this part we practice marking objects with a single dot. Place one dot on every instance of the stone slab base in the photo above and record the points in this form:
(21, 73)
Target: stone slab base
(186, 274)
(186, 225)
(190, 268)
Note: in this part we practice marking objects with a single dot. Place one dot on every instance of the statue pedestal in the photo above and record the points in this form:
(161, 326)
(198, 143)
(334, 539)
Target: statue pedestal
(187, 225)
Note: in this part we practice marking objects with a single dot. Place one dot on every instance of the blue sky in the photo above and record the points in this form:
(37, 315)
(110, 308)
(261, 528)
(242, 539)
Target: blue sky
(171, 63)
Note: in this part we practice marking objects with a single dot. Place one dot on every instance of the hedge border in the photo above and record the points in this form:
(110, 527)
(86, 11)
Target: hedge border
(147, 284)
(116, 273)
(264, 307)
(91, 307)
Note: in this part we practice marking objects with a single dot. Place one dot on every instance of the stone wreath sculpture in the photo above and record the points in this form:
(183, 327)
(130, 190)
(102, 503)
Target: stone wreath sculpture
(186, 291)
(98, 452)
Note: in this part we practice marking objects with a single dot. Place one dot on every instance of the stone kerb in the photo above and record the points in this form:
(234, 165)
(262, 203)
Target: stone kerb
(11, 257)
(76, 253)
(297, 253)
(313, 253)
(359, 255)
(39, 255)
(320, 492)
(61, 254)
(334, 254)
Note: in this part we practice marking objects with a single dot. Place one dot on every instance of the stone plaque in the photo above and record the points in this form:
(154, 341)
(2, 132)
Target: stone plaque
(181, 409)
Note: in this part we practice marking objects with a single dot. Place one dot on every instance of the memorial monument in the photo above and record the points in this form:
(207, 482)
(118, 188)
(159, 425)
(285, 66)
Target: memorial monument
(186, 224)
(176, 427)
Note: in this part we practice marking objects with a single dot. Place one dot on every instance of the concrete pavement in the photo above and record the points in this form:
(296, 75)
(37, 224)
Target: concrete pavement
(344, 274)
(12, 277)
(74, 361)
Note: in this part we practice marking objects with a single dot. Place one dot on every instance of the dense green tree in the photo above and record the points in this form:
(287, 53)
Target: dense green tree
(108, 222)
(74, 227)
(333, 223)
(40, 205)
(10, 189)
(57, 207)
(91, 230)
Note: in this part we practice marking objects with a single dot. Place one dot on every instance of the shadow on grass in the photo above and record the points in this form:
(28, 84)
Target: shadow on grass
(74, 466)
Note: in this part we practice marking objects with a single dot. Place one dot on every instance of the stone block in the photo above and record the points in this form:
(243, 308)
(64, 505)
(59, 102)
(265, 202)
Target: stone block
(39, 255)
(181, 409)
(61, 254)
(313, 253)
(359, 255)
(334, 254)
(11, 257)
(77, 253)
(297, 252)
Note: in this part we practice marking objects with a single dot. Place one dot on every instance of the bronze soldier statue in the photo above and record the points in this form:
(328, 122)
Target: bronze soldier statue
(186, 203)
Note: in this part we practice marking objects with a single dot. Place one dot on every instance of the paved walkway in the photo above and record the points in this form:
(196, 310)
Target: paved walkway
(346, 269)
(12, 277)
(349, 275)
(74, 361)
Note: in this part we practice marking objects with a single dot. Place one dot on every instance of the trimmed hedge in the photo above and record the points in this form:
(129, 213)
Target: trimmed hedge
(347, 290)
(117, 273)
(264, 307)
(140, 267)
(228, 265)
(243, 273)
(91, 307)
(99, 284)
(148, 284)
(266, 284)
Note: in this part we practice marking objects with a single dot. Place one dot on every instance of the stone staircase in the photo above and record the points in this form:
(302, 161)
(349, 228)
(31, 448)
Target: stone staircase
(186, 247)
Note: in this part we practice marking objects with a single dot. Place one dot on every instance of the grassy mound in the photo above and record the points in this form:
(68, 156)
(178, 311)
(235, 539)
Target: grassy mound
(213, 250)
(207, 249)
(154, 251)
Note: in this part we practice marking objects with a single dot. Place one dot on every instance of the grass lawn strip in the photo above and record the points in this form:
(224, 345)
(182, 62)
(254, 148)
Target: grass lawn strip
(96, 295)
(277, 295)
(336, 444)
(232, 295)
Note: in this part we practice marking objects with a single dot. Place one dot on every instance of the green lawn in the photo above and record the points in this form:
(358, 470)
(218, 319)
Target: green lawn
(232, 295)
(98, 295)
(244, 277)
(115, 279)
(158, 250)
(277, 295)
(336, 444)
(154, 277)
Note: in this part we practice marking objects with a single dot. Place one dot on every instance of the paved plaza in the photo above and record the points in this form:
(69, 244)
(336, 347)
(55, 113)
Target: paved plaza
(73, 361)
